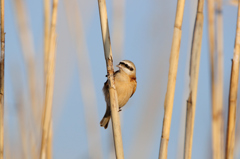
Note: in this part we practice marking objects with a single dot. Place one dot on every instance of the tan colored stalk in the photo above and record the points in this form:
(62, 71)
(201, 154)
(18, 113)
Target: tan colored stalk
(47, 112)
(2, 60)
(22, 125)
(46, 34)
(46, 48)
(172, 75)
(117, 43)
(217, 109)
(230, 140)
(194, 72)
(112, 90)
(87, 84)
(28, 52)
(49, 144)
(216, 88)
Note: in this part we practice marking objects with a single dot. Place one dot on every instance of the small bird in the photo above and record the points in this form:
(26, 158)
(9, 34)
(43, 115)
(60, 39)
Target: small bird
(125, 83)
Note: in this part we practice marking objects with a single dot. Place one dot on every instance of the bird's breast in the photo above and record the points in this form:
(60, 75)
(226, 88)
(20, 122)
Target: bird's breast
(124, 91)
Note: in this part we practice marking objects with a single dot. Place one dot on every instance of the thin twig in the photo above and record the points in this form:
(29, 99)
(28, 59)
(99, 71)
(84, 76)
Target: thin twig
(110, 70)
(194, 72)
(169, 97)
(230, 140)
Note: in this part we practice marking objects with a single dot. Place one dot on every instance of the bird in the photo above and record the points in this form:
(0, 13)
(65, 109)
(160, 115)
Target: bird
(125, 84)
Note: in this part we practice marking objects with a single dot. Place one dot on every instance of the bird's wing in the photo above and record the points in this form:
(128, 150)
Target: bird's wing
(134, 87)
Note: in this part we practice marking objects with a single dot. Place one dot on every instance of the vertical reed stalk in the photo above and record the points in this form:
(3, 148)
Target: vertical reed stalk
(46, 48)
(172, 75)
(47, 113)
(28, 52)
(22, 125)
(216, 82)
(230, 140)
(49, 144)
(46, 34)
(112, 90)
(217, 111)
(2, 60)
(194, 72)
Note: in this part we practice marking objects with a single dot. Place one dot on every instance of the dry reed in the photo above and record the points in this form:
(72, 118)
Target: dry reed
(169, 97)
(112, 90)
(22, 125)
(46, 48)
(47, 113)
(46, 34)
(28, 52)
(49, 144)
(230, 139)
(217, 110)
(194, 72)
(2, 60)
(216, 78)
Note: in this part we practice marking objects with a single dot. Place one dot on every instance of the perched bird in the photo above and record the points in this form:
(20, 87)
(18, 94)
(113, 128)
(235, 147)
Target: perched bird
(125, 83)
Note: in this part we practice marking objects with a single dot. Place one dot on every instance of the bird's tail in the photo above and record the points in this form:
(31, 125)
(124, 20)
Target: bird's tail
(106, 118)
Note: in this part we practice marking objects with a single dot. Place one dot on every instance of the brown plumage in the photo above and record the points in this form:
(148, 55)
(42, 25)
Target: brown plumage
(125, 83)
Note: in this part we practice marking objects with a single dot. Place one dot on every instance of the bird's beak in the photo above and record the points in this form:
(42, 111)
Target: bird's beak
(118, 66)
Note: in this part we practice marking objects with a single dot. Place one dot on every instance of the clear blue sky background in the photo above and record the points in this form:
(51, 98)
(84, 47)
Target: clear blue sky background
(148, 29)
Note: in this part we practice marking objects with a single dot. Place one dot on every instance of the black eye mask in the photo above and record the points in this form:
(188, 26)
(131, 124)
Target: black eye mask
(126, 65)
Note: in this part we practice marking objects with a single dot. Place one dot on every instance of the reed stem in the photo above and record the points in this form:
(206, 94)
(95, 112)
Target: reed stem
(112, 90)
(194, 72)
(47, 112)
(172, 75)
(2, 61)
(217, 109)
(230, 139)
(46, 34)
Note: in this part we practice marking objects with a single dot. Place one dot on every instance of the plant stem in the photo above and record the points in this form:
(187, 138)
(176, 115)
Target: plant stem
(194, 72)
(112, 90)
(172, 75)
(47, 113)
(233, 93)
(2, 61)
